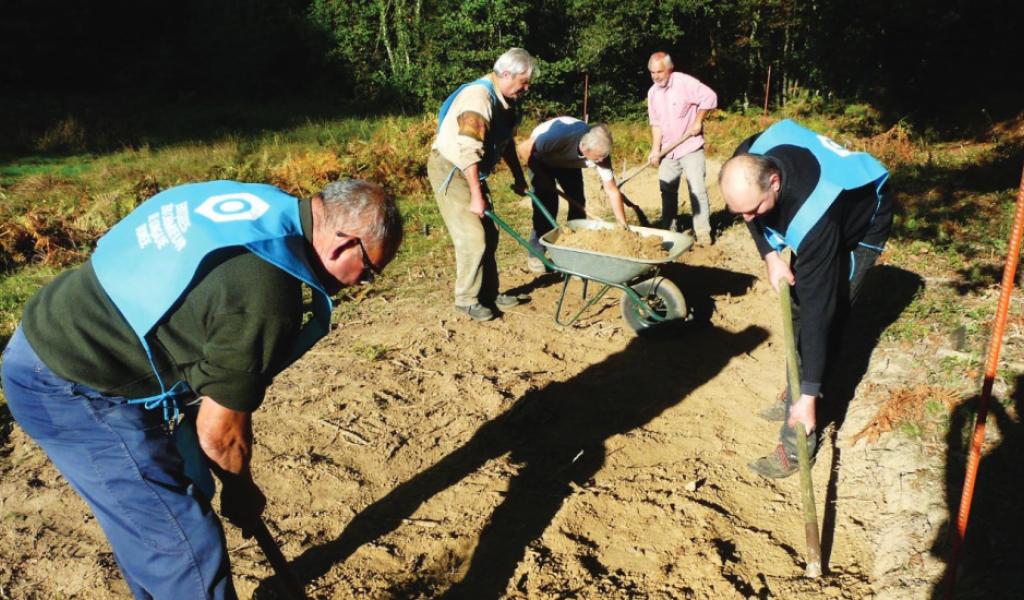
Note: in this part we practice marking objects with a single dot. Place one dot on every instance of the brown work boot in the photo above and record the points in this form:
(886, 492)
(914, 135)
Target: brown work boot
(776, 465)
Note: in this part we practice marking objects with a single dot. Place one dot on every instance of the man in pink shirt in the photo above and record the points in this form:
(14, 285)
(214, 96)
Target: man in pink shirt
(677, 104)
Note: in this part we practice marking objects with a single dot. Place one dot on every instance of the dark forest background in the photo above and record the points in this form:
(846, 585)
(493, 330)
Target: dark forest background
(946, 66)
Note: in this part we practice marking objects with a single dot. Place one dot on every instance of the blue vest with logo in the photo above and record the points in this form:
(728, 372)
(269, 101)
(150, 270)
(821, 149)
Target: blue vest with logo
(147, 261)
(841, 170)
(500, 134)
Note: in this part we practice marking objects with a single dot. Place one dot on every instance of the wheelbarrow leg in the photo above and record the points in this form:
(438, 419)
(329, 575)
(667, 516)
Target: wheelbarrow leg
(565, 286)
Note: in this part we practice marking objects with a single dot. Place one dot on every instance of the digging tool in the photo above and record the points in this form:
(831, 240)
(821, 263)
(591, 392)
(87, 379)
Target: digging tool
(813, 568)
(197, 468)
(289, 585)
(640, 216)
(663, 154)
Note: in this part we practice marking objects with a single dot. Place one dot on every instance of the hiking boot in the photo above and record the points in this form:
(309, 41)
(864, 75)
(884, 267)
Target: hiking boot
(777, 411)
(535, 265)
(477, 312)
(507, 301)
(776, 465)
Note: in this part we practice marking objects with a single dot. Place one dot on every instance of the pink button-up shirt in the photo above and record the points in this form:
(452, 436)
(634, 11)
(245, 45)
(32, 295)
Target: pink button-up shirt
(673, 109)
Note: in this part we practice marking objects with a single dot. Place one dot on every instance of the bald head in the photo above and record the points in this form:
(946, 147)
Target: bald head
(750, 184)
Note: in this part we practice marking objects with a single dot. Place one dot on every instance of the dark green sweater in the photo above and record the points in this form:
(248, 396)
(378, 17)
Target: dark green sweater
(227, 337)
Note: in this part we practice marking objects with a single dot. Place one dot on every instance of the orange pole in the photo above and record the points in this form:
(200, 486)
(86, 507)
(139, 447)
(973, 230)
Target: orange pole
(991, 364)
(767, 87)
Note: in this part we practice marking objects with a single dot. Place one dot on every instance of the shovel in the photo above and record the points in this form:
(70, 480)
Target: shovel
(288, 584)
(813, 568)
(197, 469)
(663, 154)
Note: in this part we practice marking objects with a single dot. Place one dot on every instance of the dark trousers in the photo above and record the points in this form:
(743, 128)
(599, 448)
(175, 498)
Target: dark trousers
(862, 259)
(543, 179)
(123, 463)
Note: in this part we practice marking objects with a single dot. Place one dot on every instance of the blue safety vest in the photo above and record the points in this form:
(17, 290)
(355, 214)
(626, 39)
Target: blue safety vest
(841, 170)
(147, 261)
(500, 133)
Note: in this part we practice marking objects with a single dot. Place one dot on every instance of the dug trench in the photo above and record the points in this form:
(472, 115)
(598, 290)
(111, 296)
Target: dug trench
(414, 453)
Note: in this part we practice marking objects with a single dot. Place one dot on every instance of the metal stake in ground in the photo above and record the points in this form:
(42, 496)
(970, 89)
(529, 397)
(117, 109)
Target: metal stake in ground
(813, 568)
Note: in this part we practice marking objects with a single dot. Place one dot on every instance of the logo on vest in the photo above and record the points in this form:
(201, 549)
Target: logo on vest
(241, 206)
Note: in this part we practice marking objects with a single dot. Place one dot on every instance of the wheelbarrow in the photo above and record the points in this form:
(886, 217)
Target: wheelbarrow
(648, 299)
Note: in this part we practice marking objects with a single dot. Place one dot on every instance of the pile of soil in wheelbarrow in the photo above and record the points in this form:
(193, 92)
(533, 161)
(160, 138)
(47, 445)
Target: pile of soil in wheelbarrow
(619, 242)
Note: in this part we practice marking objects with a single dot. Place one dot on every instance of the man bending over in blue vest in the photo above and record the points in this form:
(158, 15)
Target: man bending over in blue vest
(194, 298)
(829, 206)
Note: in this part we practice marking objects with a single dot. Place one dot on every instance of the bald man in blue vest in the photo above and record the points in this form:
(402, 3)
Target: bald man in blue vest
(800, 190)
(192, 303)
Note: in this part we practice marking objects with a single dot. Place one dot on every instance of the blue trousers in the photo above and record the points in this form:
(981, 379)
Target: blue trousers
(120, 459)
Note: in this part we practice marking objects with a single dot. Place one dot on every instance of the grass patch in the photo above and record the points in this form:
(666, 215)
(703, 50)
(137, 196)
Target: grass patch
(954, 202)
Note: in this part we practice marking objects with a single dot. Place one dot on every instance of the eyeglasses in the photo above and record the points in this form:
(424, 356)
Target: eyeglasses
(370, 271)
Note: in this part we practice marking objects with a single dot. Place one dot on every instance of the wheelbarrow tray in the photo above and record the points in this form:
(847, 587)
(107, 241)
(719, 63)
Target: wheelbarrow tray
(609, 267)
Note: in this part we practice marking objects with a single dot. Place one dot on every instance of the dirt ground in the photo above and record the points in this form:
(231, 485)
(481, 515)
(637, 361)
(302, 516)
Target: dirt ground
(414, 453)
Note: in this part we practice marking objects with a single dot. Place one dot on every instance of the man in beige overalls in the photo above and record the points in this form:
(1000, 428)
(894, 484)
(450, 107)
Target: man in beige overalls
(475, 127)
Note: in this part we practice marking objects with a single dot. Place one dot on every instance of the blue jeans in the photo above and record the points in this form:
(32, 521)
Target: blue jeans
(120, 459)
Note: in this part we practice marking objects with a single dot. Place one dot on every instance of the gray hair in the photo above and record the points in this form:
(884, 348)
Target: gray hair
(663, 57)
(598, 139)
(516, 61)
(365, 209)
(756, 169)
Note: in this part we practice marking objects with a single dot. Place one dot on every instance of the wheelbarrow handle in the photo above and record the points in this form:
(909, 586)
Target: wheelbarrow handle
(536, 202)
(522, 241)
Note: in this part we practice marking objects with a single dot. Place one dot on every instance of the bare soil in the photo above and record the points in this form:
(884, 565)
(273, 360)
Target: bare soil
(617, 242)
(415, 453)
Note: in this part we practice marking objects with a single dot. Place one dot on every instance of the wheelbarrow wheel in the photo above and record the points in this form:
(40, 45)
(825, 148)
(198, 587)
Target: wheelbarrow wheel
(660, 296)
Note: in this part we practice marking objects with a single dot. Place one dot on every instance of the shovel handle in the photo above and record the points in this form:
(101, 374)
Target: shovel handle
(813, 568)
(288, 583)
(663, 154)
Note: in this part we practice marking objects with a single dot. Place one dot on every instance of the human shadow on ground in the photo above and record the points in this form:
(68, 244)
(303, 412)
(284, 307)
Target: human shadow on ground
(885, 293)
(990, 554)
(6, 426)
(556, 435)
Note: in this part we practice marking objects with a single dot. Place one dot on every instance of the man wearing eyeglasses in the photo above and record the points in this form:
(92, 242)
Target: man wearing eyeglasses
(556, 152)
(192, 303)
(800, 190)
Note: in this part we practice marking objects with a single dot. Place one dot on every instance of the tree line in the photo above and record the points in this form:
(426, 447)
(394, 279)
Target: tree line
(909, 58)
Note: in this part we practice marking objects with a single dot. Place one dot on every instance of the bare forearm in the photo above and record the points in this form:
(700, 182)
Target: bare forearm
(472, 175)
(615, 199)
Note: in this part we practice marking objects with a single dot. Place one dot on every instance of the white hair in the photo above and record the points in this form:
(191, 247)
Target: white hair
(515, 61)
(598, 139)
(363, 208)
(666, 60)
